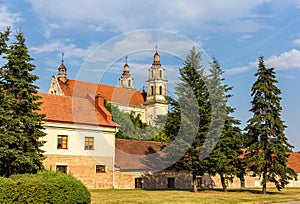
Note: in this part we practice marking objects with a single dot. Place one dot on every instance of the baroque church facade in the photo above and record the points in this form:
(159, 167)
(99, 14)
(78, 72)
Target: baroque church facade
(148, 105)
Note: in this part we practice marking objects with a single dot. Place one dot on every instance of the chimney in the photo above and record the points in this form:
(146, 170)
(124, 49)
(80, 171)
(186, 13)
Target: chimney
(99, 100)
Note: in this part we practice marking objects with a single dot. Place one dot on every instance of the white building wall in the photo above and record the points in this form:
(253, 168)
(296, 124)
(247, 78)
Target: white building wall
(103, 139)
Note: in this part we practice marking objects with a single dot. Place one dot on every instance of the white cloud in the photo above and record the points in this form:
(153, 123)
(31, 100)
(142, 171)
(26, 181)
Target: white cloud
(7, 19)
(237, 70)
(175, 15)
(286, 60)
(69, 49)
(296, 42)
(140, 42)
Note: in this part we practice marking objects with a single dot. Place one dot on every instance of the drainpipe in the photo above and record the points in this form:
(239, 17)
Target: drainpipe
(113, 159)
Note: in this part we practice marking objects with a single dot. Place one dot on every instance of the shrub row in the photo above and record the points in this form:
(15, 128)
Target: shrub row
(43, 187)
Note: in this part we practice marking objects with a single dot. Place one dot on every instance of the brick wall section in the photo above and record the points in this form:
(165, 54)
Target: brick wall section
(84, 169)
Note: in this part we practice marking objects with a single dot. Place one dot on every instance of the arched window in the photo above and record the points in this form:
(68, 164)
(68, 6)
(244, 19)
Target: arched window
(160, 90)
(152, 72)
(121, 82)
(160, 74)
(129, 83)
(152, 90)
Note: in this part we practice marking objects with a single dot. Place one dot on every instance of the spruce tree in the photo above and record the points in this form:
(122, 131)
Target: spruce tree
(194, 121)
(21, 125)
(224, 158)
(268, 153)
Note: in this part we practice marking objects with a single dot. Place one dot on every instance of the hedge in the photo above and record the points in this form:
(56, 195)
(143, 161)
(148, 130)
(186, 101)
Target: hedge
(43, 187)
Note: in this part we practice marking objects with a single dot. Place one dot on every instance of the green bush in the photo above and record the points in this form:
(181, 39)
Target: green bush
(44, 187)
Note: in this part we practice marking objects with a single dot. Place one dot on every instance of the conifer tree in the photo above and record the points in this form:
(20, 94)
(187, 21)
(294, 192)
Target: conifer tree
(268, 153)
(194, 118)
(224, 158)
(21, 125)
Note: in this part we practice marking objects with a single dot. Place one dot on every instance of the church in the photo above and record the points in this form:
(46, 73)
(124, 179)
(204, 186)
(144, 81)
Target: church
(147, 105)
(80, 134)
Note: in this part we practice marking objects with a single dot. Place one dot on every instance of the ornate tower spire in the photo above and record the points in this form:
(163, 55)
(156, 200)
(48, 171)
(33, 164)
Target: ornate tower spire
(126, 81)
(62, 70)
(156, 60)
(156, 102)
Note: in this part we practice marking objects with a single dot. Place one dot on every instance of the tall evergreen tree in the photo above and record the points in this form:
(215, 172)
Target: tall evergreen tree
(268, 152)
(224, 158)
(21, 125)
(4, 37)
(194, 118)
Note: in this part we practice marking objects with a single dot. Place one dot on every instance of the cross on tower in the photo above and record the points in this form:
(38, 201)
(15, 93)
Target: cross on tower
(62, 57)
(126, 59)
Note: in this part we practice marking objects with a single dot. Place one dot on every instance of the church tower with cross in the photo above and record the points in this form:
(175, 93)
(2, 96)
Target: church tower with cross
(126, 81)
(147, 104)
(156, 103)
(62, 70)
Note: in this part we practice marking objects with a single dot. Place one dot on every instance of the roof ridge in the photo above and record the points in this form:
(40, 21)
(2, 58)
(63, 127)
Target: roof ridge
(87, 82)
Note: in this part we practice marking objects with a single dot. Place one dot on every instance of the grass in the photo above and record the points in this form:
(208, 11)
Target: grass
(215, 196)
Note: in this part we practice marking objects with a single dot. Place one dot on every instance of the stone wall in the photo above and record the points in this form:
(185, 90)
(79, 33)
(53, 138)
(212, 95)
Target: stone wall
(159, 180)
(84, 169)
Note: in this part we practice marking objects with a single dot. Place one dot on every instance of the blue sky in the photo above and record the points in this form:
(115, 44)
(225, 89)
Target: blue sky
(96, 35)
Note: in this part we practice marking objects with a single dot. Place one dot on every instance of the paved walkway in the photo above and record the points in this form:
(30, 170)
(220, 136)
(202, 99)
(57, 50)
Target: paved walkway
(291, 202)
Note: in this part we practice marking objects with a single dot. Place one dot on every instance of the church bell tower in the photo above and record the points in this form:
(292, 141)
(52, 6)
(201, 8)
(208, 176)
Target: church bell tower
(156, 103)
(62, 70)
(126, 81)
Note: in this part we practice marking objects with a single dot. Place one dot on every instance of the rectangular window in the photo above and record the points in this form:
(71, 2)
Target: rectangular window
(62, 142)
(89, 143)
(171, 182)
(138, 182)
(100, 168)
(62, 168)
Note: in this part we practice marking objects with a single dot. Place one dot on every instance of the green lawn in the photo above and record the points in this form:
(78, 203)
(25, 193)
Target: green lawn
(206, 196)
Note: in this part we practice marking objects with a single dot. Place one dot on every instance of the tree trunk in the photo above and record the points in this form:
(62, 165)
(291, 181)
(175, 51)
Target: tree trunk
(264, 188)
(224, 186)
(242, 181)
(195, 189)
(264, 183)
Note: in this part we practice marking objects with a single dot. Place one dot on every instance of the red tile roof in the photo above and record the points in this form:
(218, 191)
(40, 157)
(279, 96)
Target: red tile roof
(110, 93)
(294, 161)
(144, 155)
(137, 154)
(72, 110)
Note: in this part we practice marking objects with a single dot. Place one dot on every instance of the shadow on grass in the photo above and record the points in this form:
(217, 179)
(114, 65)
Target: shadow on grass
(249, 190)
